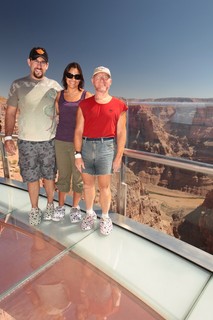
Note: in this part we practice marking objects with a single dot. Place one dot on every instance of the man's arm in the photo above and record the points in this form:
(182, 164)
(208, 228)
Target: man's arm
(10, 120)
(56, 103)
(121, 141)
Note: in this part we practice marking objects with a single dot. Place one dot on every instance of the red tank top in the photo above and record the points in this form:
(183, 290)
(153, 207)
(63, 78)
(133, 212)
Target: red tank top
(100, 120)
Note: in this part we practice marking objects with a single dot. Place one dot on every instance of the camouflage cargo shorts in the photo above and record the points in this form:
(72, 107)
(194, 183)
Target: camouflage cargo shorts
(37, 160)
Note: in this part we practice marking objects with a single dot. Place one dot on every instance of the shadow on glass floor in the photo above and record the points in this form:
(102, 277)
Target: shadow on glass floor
(41, 279)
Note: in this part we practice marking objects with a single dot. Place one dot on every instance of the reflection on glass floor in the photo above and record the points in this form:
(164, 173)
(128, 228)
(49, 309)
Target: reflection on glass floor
(42, 280)
(56, 271)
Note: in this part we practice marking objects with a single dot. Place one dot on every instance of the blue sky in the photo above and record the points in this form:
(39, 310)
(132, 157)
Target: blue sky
(154, 48)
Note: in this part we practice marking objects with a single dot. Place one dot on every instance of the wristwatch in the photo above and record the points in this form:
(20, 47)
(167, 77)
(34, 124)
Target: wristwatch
(77, 154)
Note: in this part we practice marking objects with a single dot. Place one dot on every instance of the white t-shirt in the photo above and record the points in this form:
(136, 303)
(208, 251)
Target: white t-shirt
(35, 100)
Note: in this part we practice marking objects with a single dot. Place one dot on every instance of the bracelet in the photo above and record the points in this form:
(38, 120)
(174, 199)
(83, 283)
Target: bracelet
(77, 155)
(6, 138)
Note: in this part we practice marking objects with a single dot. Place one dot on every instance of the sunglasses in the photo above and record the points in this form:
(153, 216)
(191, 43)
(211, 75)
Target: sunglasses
(75, 76)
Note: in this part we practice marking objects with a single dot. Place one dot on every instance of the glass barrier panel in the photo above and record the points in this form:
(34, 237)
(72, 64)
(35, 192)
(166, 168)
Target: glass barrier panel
(1, 163)
(13, 165)
(179, 129)
(175, 201)
(14, 170)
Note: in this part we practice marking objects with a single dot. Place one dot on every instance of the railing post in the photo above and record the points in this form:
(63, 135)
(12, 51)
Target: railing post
(5, 161)
(122, 193)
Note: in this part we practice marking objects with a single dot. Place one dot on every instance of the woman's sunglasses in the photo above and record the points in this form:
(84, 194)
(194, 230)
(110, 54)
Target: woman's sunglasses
(75, 76)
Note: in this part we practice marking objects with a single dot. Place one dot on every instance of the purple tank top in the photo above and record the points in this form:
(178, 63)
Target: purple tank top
(67, 118)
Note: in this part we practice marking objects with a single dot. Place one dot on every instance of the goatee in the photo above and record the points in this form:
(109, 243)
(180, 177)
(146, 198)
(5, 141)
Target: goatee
(38, 76)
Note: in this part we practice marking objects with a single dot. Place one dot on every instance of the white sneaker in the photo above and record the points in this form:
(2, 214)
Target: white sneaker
(106, 226)
(48, 212)
(75, 215)
(58, 213)
(35, 216)
(88, 221)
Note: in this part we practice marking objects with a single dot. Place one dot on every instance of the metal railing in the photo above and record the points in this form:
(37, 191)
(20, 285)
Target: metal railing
(181, 163)
(185, 164)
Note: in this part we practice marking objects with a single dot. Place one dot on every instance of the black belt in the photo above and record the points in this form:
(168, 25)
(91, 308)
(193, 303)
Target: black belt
(98, 139)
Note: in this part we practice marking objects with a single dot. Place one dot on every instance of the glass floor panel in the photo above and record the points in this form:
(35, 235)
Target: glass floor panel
(56, 271)
(42, 280)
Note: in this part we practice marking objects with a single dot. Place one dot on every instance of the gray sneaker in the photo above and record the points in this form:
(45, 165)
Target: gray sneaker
(49, 212)
(59, 213)
(75, 215)
(35, 216)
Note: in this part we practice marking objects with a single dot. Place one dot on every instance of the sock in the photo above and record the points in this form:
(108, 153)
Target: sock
(105, 215)
(90, 211)
(50, 204)
(77, 207)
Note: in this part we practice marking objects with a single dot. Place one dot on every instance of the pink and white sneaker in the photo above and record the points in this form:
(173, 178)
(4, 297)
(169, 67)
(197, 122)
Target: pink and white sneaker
(88, 221)
(106, 226)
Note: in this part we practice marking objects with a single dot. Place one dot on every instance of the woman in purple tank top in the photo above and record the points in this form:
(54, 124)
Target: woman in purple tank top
(67, 102)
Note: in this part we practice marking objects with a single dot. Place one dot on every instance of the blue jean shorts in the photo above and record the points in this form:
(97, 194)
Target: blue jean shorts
(37, 160)
(98, 156)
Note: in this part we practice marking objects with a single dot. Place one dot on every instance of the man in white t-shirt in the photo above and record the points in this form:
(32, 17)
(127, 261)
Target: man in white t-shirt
(34, 97)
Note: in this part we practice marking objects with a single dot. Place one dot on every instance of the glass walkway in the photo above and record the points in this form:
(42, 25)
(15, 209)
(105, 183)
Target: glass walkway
(57, 271)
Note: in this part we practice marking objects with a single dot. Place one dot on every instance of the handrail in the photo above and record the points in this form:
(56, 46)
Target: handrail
(185, 164)
(181, 163)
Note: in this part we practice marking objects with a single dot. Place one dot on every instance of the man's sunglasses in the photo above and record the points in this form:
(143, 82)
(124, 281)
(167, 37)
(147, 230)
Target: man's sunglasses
(75, 76)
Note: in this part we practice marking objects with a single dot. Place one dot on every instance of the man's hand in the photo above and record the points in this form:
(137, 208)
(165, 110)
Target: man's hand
(79, 163)
(116, 165)
(10, 147)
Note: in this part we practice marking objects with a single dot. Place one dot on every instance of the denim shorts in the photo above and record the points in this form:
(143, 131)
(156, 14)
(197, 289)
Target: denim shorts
(37, 160)
(98, 156)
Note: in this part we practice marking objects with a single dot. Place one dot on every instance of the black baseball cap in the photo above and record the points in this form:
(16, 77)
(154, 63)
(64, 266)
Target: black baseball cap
(38, 52)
